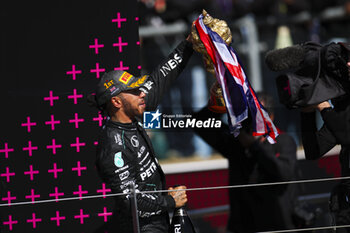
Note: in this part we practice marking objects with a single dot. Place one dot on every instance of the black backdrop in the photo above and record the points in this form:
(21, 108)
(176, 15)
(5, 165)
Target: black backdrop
(40, 43)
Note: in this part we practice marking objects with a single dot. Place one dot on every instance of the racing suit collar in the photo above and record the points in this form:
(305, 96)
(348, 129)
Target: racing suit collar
(125, 126)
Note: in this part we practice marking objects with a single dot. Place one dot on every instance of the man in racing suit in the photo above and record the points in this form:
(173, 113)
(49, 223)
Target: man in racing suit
(125, 153)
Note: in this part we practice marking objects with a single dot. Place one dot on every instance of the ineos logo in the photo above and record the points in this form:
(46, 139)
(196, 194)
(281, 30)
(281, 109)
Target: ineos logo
(134, 141)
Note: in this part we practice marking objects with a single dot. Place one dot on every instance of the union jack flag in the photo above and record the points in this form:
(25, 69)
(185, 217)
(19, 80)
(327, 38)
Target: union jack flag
(238, 94)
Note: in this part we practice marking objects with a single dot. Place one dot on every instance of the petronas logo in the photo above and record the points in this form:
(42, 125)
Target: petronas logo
(118, 161)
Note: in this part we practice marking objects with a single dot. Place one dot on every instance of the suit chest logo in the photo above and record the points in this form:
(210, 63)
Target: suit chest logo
(118, 161)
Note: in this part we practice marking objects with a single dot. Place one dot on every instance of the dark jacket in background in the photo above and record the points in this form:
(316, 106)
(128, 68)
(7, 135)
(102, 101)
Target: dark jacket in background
(256, 208)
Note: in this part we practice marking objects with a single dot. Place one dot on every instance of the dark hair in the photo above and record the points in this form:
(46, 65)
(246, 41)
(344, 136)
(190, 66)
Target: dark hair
(267, 100)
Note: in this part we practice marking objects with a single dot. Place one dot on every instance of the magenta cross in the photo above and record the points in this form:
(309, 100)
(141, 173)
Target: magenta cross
(120, 44)
(81, 216)
(105, 214)
(78, 168)
(28, 124)
(138, 43)
(80, 192)
(95, 143)
(53, 146)
(77, 144)
(103, 190)
(75, 96)
(7, 174)
(30, 148)
(99, 119)
(139, 67)
(119, 20)
(56, 194)
(6, 150)
(96, 46)
(9, 198)
(10, 222)
(52, 122)
(58, 218)
(55, 170)
(73, 72)
(51, 98)
(31, 172)
(32, 196)
(97, 70)
(34, 220)
(76, 120)
(121, 67)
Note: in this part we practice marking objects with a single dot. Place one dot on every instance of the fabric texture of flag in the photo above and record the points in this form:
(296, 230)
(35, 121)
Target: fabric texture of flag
(238, 94)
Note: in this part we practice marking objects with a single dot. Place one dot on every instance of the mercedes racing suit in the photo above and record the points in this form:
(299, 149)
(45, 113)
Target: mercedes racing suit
(125, 154)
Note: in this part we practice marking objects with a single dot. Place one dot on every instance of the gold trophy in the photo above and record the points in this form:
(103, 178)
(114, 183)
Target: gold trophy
(216, 102)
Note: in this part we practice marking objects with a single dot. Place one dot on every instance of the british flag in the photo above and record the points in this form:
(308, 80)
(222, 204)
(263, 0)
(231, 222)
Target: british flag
(238, 94)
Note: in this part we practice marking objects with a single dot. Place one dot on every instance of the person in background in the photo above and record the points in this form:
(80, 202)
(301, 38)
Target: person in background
(253, 160)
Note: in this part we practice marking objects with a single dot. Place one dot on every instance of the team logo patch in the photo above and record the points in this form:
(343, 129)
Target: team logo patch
(125, 77)
(134, 141)
(118, 161)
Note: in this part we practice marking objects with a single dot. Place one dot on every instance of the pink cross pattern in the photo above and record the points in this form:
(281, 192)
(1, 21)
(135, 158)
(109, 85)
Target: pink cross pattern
(99, 119)
(97, 70)
(56, 194)
(80, 192)
(121, 67)
(119, 20)
(77, 144)
(55, 170)
(53, 146)
(7, 174)
(76, 120)
(30, 148)
(28, 124)
(96, 143)
(9, 198)
(120, 44)
(138, 42)
(52, 122)
(81, 216)
(31, 172)
(139, 67)
(136, 18)
(103, 190)
(105, 214)
(34, 220)
(58, 218)
(78, 168)
(73, 72)
(51, 98)
(32, 196)
(10, 222)
(6, 150)
(96, 46)
(75, 96)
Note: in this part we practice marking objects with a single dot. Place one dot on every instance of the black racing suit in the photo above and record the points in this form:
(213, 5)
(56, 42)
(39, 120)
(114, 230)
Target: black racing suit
(336, 130)
(125, 154)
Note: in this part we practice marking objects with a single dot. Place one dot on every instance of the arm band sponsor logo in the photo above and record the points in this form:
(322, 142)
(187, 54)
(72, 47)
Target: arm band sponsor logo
(171, 64)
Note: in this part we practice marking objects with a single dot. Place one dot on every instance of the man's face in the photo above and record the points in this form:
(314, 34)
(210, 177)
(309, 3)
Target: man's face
(133, 102)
